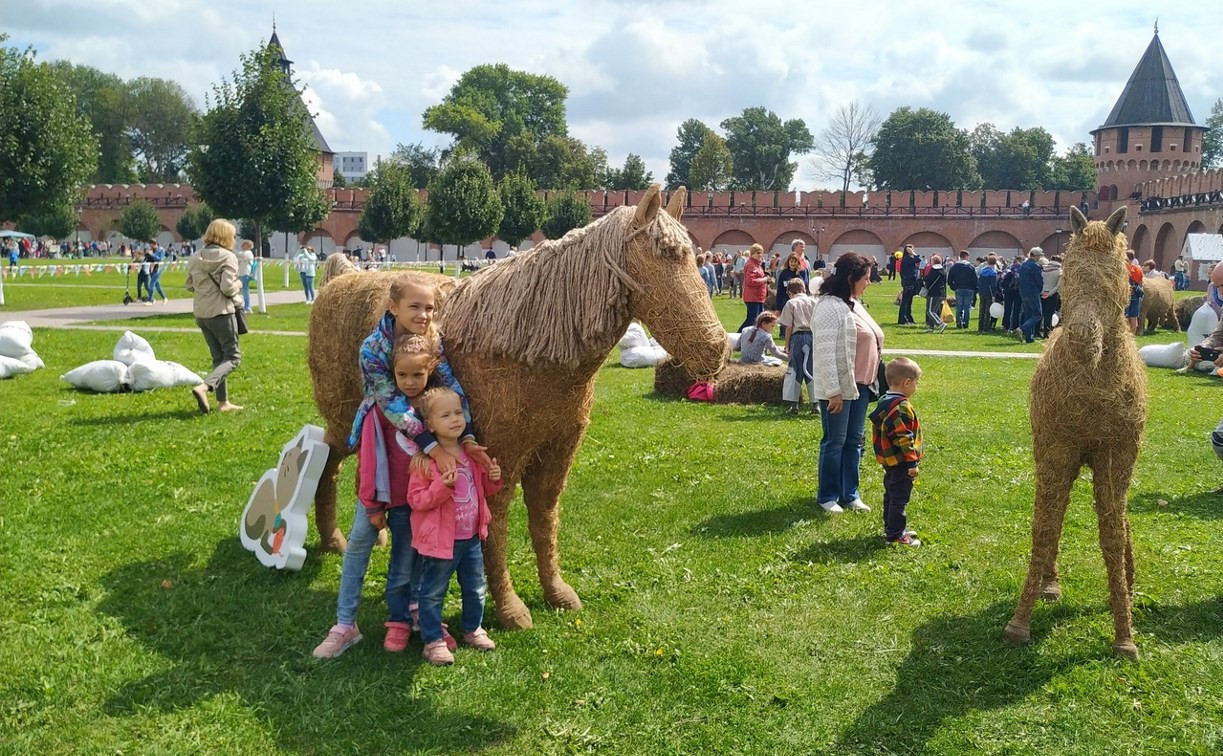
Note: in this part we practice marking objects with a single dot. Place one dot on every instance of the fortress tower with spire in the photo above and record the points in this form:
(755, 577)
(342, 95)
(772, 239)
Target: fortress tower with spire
(326, 169)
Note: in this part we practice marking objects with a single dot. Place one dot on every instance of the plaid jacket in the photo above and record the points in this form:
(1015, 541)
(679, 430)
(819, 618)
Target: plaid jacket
(897, 432)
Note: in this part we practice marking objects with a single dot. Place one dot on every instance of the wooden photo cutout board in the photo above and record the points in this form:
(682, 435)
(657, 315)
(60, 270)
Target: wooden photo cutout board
(274, 523)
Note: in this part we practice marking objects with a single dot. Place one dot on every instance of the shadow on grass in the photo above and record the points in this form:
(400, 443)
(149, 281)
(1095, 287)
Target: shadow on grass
(1202, 621)
(761, 521)
(186, 413)
(849, 550)
(233, 627)
(1206, 504)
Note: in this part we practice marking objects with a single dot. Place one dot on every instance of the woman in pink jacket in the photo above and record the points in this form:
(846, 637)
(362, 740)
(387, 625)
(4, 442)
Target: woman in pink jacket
(755, 285)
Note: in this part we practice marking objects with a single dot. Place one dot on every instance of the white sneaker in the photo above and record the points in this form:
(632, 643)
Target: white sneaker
(831, 507)
(858, 505)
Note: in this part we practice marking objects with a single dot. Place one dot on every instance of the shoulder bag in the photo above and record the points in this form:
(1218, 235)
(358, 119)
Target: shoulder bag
(239, 314)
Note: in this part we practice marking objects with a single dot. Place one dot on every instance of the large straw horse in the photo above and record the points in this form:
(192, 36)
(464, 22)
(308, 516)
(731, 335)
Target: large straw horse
(1088, 407)
(527, 338)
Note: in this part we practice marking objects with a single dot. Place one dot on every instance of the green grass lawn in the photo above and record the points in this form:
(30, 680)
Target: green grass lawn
(724, 611)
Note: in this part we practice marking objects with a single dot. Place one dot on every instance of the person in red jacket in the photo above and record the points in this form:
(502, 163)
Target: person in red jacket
(755, 286)
(450, 519)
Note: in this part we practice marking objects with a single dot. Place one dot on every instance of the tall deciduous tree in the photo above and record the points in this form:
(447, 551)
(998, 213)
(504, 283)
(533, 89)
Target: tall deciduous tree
(160, 117)
(46, 152)
(840, 145)
(523, 209)
(563, 162)
(58, 222)
(139, 221)
(101, 99)
(392, 208)
(713, 167)
(421, 161)
(194, 221)
(690, 138)
(761, 145)
(499, 114)
(1021, 159)
(253, 156)
(1212, 143)
(1075, 171)
(565, 211)
(922, 149)
(463, 204)
(632, 176)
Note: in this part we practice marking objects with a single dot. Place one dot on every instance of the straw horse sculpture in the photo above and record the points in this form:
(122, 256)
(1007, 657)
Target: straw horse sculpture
(527, 338)
(1088, 407)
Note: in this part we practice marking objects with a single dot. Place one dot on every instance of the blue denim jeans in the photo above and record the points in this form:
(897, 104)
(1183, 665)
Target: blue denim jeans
(308, 286)
(963, 307)
(155, 286)
(1031, 318)
(468, 562)
(402, 568)
(246, 292)
(841, 448)
(356, 562)
(401, 577)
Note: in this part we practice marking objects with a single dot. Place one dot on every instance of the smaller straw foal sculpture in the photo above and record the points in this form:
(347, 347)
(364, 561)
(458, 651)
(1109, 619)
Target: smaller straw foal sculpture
(1088, 407)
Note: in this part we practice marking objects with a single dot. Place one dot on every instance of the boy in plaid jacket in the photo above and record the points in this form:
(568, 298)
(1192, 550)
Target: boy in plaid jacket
(898, 447)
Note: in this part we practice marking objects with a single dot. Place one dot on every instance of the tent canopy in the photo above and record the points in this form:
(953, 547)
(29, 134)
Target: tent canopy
(15, 235)
(1203, 247)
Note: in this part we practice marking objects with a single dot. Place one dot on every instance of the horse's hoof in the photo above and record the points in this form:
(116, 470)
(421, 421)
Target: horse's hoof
(513, 615)
(562, 596)
(1014, 635)
(1126, 650)
(335, 542)
(1051, 593)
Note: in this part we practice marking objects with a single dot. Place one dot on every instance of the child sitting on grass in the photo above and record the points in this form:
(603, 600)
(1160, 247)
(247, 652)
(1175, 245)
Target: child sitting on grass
(898, 447)
(758, 339)
(450, 519)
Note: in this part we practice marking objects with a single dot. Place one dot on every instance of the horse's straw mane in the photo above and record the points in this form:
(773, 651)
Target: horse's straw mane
(548, 305)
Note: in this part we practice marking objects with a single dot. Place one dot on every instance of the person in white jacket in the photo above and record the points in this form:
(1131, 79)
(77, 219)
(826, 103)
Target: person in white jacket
(848, 344)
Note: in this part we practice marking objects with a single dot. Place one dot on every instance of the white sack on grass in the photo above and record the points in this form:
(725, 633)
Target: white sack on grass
(10, 367)
(16, 339)
(634, 337)
(132, 348)
(102, 376)
(639, 357)
(1202, 324)
(32, 360)
(1164, 355)
(732, 340)
(147, 375)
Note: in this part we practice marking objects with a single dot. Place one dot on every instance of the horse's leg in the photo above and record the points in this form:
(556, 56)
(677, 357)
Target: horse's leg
(541, 488)
(1055, 474)
(330, 537)
(511, 614)
(1112, 471)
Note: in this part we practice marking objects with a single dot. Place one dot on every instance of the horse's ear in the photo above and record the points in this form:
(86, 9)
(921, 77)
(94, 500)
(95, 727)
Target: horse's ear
(1078, 221)
(647, 209)
(1116, 221)
(675, 208)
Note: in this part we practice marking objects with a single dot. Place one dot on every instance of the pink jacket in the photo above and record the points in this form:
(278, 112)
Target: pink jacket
(432, 503)
(755, 282)
(397, 462)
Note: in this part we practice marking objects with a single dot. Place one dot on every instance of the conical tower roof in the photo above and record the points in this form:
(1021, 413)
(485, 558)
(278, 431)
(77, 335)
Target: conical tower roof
(1152, 96)
(316, 136)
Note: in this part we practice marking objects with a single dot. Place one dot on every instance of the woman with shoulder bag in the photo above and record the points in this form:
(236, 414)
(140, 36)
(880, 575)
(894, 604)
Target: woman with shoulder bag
(212, 277)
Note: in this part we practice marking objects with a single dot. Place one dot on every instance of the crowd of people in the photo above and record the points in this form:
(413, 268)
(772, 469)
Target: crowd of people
(17, 249)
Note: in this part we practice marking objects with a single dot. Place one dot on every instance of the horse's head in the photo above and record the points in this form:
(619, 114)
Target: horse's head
(1094, 273)
(670, 296)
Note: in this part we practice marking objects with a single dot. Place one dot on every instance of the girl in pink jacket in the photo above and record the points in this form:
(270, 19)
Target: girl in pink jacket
(450, 518)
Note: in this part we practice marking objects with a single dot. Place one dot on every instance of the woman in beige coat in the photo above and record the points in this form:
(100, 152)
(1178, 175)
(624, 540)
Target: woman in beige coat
(212, 276)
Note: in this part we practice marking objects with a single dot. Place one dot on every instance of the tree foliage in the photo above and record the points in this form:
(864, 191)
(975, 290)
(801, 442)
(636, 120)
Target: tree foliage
(464, 206)
(1075, 170)
(713, 167)
(632, 176)
(58, 222)
(421, 161)
(523, 209)
(392, 208)
(922, 149)
(194, 221)
(1022, 159)
(139, 221)
(101, 99)
(842, 145)
(46, 151)
(338, 181)
(160, 117)
(761, 145)
(690, 137)
(565, 211)
(563, 162)
(254, 156)
(1212, 142)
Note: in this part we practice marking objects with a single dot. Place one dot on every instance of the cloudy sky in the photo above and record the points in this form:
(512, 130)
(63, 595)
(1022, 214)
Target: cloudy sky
(636, 70)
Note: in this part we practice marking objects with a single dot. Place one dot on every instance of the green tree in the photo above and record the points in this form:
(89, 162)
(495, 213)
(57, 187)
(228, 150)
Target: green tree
(523, 209)
(1075, 171)
(194, 222)
(713, 167)
(101, 99)
(160, 117)
(499, 114)
(338, 181)
(761, 145)
(1021, 159)
(690, 137)
(422, 162)
(253, 155)
(564, 211)
(563, 162)
(58, 222)
(847, 136)
(139, 221)
(392, 208)
(463, 203)
(46, 151)
(1212, 142)
(632, 176)
(922, 149)
(985, 147)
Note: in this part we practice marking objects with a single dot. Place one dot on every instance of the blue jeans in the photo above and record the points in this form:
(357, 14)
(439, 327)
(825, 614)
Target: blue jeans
(155, 286)
(468, 561)
(1031, 317)
(246, 292)
(753, 311)
(841, 448)
(401, 571)
(963, 307)
(308, 286)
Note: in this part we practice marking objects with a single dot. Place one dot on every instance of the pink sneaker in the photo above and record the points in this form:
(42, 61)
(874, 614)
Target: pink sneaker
(479, 639)
(451, 643)
(437, 654)
(339, 639)
(397, 635)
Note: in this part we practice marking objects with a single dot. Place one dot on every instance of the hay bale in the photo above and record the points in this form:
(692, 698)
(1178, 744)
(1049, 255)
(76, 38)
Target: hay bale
(1185, 309)
(1157, 305)
(735, 384)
